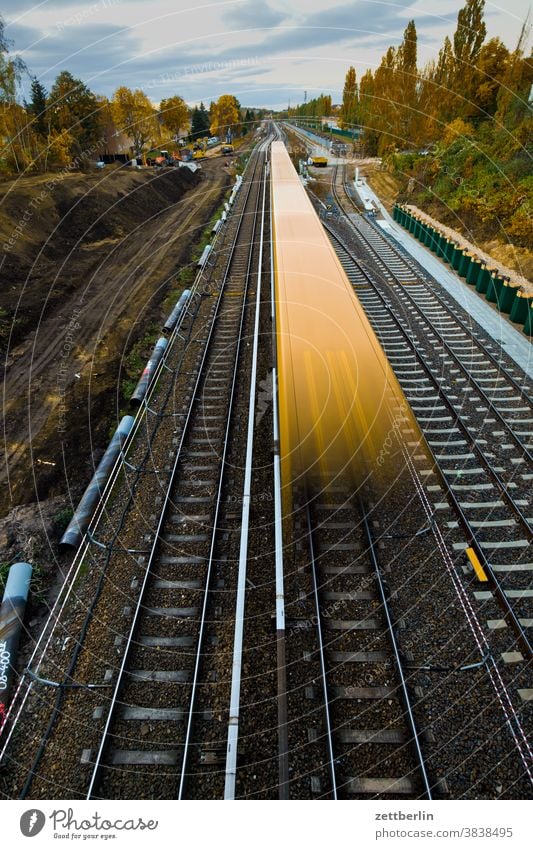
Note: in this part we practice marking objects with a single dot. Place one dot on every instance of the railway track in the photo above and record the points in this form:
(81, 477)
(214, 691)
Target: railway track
(160, 693)
(488, 482)
(361, 722)
(179, 639)
(474, 407)
(167, 647)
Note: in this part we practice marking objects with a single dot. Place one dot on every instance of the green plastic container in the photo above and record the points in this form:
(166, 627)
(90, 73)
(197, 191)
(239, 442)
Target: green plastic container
(442, 244)
(507, 296)
(429, 236)
(457, 255)
(412, 224)
(483, 280)
(528, 324)
(473, 271)
(520, 307)
(494, 288)
(464, 264)
(449, 250)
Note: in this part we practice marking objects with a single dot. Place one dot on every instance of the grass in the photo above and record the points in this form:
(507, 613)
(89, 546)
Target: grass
(37, 589)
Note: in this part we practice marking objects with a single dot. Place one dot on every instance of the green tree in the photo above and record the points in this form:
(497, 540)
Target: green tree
(199, 122)
(73, 107)
(37, 108)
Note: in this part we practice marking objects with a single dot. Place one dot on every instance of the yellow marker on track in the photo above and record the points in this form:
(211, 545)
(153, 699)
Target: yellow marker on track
(478, 568)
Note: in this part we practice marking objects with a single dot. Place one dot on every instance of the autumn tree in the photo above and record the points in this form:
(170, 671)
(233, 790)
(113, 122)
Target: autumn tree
(72, 106)
(225, 116)
(134, 116)
(349, 99)
(467, 41)
(490, 71)
(174, 115)
(406, 84)
(14, 126)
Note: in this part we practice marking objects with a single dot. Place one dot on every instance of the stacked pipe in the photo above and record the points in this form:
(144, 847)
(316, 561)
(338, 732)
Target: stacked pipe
(176, 313)
(81, 519)
(496, 287)
(11, 618)
(150, 369)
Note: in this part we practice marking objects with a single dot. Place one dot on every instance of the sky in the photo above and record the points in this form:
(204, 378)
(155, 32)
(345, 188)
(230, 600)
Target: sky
(266, 52)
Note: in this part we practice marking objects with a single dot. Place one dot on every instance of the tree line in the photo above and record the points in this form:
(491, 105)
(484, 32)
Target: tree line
(71, 123)
(400, 106)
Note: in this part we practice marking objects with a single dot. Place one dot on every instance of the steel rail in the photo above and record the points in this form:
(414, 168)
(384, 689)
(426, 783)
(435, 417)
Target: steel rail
(97, 766)
(69, 583)
(512, 719)
(507, 607)
(415, 734)
(321, 652)
(54, 616)
(448, 310)
(238, 638)
(500, 484)
(192, 701)
(281, 658)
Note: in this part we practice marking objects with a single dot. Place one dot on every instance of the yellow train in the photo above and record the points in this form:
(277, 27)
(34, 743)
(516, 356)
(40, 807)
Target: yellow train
(339, 400)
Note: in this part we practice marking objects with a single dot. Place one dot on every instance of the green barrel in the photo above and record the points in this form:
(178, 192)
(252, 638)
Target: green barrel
(435, 242)
(423, 232)
(492, 292)
(403, 217)
(483, 279)
(520, 307)
(473, 271)
(507, 296)
(429, 236)
(528, 323)
(412, 223)
(464, 264)
(457, 255)
(449, 250)
(497, 287)
(442, 244)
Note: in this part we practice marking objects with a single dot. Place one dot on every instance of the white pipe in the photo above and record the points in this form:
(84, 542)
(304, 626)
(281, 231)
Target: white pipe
(234, 709)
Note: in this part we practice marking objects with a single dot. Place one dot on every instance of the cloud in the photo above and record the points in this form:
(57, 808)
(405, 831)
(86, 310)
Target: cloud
(87, 51)
(253, 14)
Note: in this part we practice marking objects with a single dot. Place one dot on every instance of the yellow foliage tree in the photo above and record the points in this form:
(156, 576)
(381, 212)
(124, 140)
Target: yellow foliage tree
(457, 129)
(225, 115)
(134, 116)
(174, 114)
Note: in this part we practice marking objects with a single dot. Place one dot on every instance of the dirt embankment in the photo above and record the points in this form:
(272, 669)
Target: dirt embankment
(87, 262)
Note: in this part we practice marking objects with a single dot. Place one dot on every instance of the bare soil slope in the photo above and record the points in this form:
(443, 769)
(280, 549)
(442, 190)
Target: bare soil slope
(87, 263)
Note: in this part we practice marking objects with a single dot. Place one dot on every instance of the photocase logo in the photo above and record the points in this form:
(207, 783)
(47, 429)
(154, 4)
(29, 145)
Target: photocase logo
(32, 822)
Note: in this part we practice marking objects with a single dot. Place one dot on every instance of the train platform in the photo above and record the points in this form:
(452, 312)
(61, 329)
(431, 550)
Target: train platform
(498, 327)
